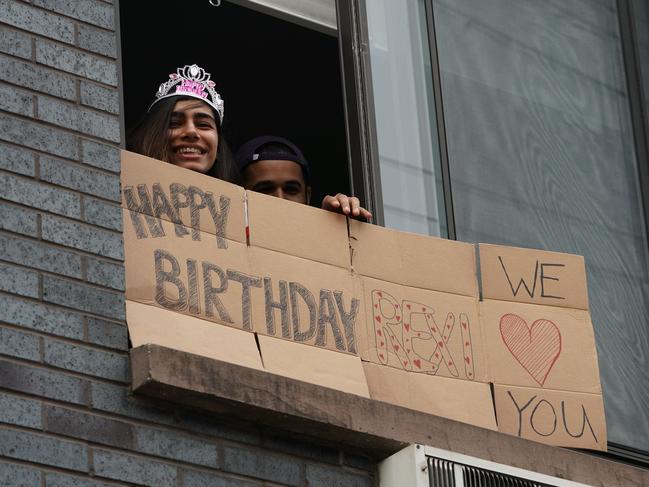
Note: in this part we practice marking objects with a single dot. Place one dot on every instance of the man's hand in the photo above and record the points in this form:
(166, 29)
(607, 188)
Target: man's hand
(347, 205)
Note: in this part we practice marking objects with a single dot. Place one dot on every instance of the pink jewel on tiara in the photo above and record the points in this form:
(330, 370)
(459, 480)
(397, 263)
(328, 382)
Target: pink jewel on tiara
(191, 80)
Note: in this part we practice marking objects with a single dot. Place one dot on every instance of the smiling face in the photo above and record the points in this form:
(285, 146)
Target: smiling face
(192, 136)
(283, 179)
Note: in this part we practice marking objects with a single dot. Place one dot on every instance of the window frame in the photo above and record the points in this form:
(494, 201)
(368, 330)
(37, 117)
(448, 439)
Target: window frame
(362, 132)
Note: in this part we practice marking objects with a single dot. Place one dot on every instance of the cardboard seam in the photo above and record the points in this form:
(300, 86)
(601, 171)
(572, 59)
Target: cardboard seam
(594, 394)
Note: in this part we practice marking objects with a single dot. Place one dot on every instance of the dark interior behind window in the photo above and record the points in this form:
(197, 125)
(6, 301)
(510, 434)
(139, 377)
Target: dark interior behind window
(276, 77)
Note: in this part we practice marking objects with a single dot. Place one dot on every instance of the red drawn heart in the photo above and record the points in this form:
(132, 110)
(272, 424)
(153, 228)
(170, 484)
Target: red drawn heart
(382, 343)
(536, 348)
(397, 318)
(406, 326)
(423, 309)
(377, 318)
(376, 306)
(417, 363)
(464, 325)
(408, 306)
(379, 332)
(379, 294)
(396, 348)
(405, 362)
(467, 360)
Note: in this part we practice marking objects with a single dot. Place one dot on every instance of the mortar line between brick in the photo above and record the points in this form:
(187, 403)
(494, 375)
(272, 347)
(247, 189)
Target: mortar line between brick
(67, 372)
(55, 246)
(59, 128)
(60, 338)
(44, 272)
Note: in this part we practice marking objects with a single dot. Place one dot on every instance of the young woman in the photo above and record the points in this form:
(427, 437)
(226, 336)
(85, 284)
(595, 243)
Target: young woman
(183, 126)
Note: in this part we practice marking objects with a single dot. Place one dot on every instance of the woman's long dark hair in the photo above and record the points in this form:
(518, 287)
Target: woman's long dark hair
(150, 138)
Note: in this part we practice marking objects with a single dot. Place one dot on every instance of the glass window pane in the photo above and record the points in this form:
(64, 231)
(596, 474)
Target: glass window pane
(542, 155)
(405, 116)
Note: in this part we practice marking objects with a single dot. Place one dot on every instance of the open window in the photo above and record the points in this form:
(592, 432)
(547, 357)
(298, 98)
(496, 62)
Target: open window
(276, 76)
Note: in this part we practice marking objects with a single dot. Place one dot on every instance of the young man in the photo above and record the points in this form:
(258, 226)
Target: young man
(275, 166)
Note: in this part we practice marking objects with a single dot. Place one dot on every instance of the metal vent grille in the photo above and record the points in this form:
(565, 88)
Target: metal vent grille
(446, 473)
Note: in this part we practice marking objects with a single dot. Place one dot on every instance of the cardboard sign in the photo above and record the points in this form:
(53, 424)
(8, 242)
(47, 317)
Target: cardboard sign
(370, 311)
(423, 331)
(298, 230)
(315, 365)
(305, 301)
(554, 417)
(193, 202)
(192, 277)
(469, 402)
(533, 276)
(413, 260)
(540, 346)
(245, 287)
(149, 324)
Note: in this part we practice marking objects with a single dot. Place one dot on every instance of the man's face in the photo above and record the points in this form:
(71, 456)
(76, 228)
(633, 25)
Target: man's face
(283, 179)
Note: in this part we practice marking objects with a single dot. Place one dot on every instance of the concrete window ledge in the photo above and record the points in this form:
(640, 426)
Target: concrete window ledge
(377, 429)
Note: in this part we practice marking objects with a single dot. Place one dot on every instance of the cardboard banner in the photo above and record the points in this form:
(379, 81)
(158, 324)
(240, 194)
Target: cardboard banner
(540, 346)
(563, 418)
(413, 260)
(533, 276)
(305, 301)
(193, 202)
(315, 365)
(150, 324)
(192, 277)
(298, 230)
(423, 331)
(465, 401)
(394, 316)
(245, 287)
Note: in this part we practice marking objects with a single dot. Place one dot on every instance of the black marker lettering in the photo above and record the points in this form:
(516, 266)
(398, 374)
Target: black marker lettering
(554, 413)
(162, 276)
(195, 210)
(178, 190)
(192, 279)
(295, 290)
(162, 206)
(246, 283)
(220, 217)
(522, 281)
(348, 319)
(584, 420)
(520, 410)
(211, 298)
(281, 305)
(544, 277)
(327, 314)
(141, 208)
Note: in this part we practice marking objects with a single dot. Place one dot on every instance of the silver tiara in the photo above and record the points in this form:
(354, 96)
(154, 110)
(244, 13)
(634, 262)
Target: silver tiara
(191, 80)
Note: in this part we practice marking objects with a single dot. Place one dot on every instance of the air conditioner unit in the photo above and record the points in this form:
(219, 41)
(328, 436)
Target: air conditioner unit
(425, 466)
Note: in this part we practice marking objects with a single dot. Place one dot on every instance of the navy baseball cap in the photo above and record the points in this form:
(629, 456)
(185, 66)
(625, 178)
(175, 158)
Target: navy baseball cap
(250, 152)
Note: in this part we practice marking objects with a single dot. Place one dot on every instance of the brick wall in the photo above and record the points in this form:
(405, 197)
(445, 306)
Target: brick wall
(66, 415)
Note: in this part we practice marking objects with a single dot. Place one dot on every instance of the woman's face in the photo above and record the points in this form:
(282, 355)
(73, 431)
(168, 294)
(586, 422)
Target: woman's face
(192, 137)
